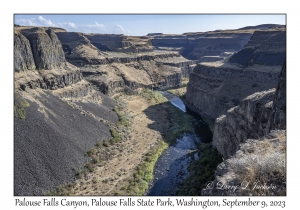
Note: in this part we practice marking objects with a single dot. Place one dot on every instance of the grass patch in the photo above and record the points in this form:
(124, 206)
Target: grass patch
(65, 190)
(91, 152)
(116, 137)
(122, 118)
(106, 143)
(185, 81)
(19, 106)
(201, 171)
(179, 123)
(266, 164)
(152, 95)
(138, 184)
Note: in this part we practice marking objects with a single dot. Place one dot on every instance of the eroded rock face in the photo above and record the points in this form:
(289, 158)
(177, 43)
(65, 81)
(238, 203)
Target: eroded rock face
(213, 89)
(198, 45)
(264, 48)
(46, 48)
(120, 43)
(253, 118)
(79, 50)
(277, 118)
(23, 58)
(248, 120)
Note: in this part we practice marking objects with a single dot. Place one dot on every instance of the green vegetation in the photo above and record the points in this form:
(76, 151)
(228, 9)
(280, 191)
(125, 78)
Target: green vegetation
(122, 118)
(69, 104)
(181, 91)
(179, 123)
(116, 137)
(106, 143)
(152, 95)
(63, 190)
(19, 106)
(92, 152)
(185, 81)
(138, 184)
(201, 171)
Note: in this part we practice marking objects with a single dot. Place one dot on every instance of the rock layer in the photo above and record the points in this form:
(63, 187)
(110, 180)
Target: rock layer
(46, 48)
(251, 138)
(213, 89)
(23, 58)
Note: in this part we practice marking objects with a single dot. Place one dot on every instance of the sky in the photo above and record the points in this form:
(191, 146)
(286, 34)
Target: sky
(142, 24)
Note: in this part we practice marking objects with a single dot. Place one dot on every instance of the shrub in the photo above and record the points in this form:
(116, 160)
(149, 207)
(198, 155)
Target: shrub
(116, 137)
(106, 143)
(19, 106)
(91, 152)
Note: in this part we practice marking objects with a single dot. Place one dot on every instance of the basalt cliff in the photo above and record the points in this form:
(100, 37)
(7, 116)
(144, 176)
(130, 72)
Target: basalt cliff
(245, 96)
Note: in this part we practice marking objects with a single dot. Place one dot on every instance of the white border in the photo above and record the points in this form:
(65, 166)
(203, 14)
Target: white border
(6, 85)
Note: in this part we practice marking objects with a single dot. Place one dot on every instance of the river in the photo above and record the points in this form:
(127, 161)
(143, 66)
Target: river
(172, 166)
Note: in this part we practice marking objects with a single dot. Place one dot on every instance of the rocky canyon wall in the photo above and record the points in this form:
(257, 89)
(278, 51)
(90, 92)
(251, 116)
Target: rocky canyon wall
(57, 114)
(246, 96)
(116, 70)
(61, 110)
(252, 139)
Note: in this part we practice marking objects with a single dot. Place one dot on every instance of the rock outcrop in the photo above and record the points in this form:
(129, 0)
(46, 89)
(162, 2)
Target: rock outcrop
(246, 96)
(251, 138)
(112, 72)
(277, 119)
(64, 117)
(23, 58)
(79, 50)
(258, 168)
(120, 43)
(46, 48)
(198, 46)
(216, 87)
(39, 50)
(264, 48)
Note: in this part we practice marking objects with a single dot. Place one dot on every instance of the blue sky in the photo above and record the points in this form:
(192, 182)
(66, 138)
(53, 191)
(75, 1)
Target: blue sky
(138, 25)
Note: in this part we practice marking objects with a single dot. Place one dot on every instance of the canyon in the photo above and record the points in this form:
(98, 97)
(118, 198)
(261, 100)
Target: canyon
(74, 91)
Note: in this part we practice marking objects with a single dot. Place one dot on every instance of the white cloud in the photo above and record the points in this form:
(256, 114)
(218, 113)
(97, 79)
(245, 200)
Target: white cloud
(68, 25)
(72, 25)
(45, 22)
(40, 21)
(96, 28)
(118, 29)
(27, 22)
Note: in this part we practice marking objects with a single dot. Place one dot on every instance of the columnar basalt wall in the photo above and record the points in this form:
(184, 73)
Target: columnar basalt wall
(252, 136)
(23, 58)
(46, 48)
(212, 90)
